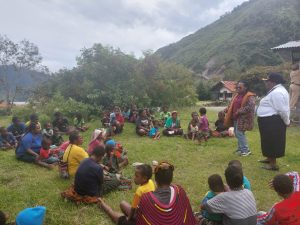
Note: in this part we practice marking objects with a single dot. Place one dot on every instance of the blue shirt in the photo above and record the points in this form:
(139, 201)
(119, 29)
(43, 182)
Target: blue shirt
(153, 131)
(34, 142)
(17, 130)
(246, 183)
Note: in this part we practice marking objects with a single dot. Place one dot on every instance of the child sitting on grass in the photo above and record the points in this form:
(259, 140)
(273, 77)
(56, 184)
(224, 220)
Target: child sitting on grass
(46, 154)
(79, 123)
(216, 186)
(56, 138)
(238, 164)
(142, 177)
(47, 131)
(110, 160)
(204, 125)
(7, 140)
(284, 212)
(194, 129)
(154, 133)
(221, 130)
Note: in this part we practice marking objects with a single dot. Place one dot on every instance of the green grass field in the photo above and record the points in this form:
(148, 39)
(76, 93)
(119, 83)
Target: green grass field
(25, 185)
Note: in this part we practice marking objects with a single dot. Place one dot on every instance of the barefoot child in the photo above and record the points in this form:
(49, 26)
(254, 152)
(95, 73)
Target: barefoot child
(204, 125)
(194, 129)
(154, 133)
(142, 177)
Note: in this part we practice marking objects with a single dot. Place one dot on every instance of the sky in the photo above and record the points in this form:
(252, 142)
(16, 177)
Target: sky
(61, 28)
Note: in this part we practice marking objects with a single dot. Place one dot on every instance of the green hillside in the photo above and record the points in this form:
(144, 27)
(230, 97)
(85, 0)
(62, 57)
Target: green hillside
(238, 40)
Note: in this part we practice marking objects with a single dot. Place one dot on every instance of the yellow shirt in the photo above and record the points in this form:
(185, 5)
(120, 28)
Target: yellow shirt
(149, 186)
(77, 154)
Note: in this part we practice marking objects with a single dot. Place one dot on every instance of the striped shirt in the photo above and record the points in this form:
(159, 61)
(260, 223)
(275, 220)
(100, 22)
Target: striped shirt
(238, 207)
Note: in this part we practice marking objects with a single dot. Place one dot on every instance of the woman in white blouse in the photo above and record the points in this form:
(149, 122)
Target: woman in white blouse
(273, 117)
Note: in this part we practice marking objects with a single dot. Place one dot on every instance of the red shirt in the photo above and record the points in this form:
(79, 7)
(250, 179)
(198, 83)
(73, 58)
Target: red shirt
(237, 103)
(44, 153)
(286, 212)
(120, 118)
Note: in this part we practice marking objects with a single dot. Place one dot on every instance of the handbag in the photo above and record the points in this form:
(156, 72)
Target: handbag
(63, 167)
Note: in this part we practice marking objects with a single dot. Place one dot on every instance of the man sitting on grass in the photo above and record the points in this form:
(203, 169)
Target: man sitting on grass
(287, 211)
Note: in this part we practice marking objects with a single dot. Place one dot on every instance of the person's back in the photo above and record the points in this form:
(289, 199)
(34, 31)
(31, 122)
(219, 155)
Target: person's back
(237, 205)
(74, 155)
(89, 178)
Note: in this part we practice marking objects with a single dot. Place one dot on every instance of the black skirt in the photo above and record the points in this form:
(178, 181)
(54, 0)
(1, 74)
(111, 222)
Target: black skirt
(272, 131)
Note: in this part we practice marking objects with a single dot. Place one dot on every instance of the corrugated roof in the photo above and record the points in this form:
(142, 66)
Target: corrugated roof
(230, 85)
(291, 44)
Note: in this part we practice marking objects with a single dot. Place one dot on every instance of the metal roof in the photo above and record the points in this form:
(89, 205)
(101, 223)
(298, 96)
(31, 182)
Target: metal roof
(291, 44)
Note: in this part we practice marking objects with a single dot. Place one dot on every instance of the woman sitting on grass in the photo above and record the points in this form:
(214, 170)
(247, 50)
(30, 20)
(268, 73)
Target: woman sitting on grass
(74, 154)
(29, 147)
(168, 204)
(143, 123)
(98, 138)
(172, 126)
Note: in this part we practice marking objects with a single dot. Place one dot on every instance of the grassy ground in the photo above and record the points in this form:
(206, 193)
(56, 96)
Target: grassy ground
(26, 185)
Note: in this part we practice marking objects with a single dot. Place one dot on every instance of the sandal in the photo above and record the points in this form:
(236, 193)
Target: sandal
(269, 167)
(264, 161)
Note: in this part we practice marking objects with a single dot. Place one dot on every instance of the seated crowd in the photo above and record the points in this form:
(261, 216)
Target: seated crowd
(98, 171)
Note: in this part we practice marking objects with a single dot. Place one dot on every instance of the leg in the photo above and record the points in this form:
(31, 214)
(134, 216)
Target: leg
(242, 140)
(236, 135)
(125, 207)
(109, 211)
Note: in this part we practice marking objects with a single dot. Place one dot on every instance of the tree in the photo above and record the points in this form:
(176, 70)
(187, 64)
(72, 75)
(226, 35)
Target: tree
(19, 56)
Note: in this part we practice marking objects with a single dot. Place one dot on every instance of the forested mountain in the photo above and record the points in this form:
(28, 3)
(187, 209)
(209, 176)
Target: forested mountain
(24, 80)
(238, 40)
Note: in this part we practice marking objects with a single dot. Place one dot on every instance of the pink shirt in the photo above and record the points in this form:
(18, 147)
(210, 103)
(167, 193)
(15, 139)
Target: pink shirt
(93, 144)
(204, 124)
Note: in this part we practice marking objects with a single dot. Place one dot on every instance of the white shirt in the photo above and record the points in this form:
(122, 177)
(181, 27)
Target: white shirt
(276, 102)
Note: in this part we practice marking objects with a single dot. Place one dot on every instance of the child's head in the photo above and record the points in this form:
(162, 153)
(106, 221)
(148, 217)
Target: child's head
(236, 163)
(202, 111)
(194, 115)
(215, 183)
(142, 174)
(234, 177)
(221, 115)
(46, 143)
(47, 125)
(283, 185)
(156, 123)
(164, 173)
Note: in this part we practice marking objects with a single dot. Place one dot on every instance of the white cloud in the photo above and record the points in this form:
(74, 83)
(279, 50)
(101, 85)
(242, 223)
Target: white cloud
(61, 28)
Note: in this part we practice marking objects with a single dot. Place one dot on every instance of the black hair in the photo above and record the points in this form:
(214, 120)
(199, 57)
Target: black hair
(234, 177)
(99, 151)
(74, 135)
(194, 113)
(202, 111)
(57, 114)
(46, 142)
(215, 183)
(164, 176)
(283, 184)
(109, 148)
(15, 119)
(2, 218)
(145, 170)
(245, 83)
(33, 117)
(235, 163)
(141, 111)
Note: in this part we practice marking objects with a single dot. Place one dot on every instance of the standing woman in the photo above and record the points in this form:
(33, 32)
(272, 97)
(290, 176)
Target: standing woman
(240, 115)
(273, 117)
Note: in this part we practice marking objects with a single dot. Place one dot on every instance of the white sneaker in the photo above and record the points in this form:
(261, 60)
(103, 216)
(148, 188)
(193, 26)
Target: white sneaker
(246, 153)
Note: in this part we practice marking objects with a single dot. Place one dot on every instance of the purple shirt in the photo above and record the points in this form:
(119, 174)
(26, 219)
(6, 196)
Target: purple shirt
(204, 124)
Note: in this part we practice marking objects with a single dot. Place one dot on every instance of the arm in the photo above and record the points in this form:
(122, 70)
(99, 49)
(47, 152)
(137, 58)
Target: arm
(267, 219)
(281, 105)
(250, 106)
